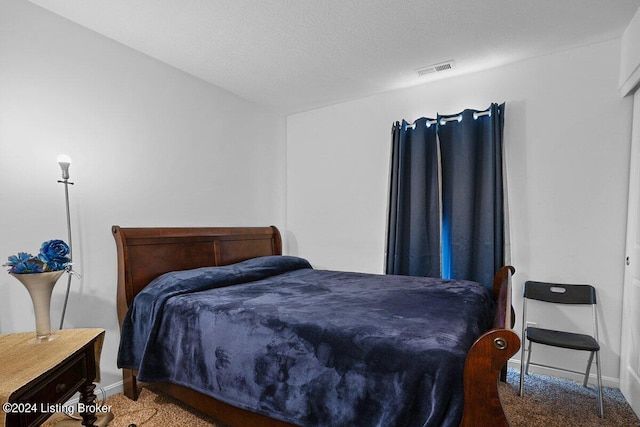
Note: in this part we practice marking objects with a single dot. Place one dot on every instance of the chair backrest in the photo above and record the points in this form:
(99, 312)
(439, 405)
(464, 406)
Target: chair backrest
(560, 293)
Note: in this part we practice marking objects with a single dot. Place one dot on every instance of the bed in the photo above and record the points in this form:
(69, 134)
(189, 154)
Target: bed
(339, 366)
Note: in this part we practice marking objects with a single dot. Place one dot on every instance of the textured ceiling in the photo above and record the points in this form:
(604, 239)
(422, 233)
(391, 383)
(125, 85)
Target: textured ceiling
(294, 55)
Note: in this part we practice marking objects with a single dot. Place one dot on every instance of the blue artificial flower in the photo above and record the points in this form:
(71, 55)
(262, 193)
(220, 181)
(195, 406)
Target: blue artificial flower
(32, 265)
(54, 253)
(24, 263)
(17, 259)
(53, 256)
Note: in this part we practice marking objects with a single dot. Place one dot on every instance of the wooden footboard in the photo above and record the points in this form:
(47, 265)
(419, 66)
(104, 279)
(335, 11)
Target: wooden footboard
(486, 361)
(145, 253)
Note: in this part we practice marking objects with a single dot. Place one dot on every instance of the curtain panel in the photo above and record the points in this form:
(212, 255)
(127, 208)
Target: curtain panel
(446, 198)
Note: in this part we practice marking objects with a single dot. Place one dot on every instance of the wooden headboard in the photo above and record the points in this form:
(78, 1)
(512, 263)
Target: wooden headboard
(146, 253)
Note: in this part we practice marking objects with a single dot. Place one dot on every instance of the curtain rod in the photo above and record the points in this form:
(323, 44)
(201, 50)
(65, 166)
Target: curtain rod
(481, 113)
(458, 118)
(446, 120)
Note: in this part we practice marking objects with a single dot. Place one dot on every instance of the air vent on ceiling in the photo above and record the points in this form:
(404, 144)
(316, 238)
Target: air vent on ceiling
(443, 66)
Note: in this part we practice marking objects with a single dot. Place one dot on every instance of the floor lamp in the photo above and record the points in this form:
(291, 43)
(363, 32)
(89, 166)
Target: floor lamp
(65, 161)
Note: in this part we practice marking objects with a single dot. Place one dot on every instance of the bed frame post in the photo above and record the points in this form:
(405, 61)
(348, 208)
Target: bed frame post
(486, 361)
(130, 384)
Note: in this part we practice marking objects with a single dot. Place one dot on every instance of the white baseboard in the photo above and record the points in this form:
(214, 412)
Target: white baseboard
(112, 389)
(606, 381)
(101, 393)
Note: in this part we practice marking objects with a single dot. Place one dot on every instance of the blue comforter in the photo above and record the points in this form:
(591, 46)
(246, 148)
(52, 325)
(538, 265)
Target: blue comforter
(311, 347)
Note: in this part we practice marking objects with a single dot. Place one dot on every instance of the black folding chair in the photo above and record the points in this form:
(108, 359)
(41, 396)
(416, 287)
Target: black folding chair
(556, 293)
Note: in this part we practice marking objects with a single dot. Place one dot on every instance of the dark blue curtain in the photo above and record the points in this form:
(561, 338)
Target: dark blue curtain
(446, 214)
(414, 245)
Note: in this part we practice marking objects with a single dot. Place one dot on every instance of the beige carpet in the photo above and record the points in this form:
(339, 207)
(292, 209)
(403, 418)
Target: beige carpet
(152, 409)
(553, 402)
(548, 402)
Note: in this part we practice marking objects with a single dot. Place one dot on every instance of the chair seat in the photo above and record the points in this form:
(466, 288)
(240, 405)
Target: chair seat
(562, 339)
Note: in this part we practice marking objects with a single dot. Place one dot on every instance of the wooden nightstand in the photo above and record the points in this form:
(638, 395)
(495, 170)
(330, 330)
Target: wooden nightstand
(36, 379)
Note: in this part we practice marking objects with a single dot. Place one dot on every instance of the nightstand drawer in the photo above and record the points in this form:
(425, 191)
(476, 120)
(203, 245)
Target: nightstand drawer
(55, 388)
(64, 381)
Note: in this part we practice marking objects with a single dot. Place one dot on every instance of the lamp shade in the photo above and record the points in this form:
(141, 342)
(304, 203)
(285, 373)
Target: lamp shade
(64, 161)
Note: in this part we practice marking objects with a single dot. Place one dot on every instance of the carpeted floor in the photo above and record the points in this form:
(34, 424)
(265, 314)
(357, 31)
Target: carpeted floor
(553, 402)
(548, 402)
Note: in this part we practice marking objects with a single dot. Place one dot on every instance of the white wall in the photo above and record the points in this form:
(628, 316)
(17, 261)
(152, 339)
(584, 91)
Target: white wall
(567, 138)
(151, 146)
(630, 56)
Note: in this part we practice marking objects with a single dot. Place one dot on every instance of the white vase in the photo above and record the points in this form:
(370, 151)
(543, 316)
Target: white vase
(40, 287)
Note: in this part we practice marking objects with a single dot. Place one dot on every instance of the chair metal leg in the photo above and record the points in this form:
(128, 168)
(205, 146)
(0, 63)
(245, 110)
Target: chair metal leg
(522, 370)
(586, 374)
(528, 358)
(600, 404)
